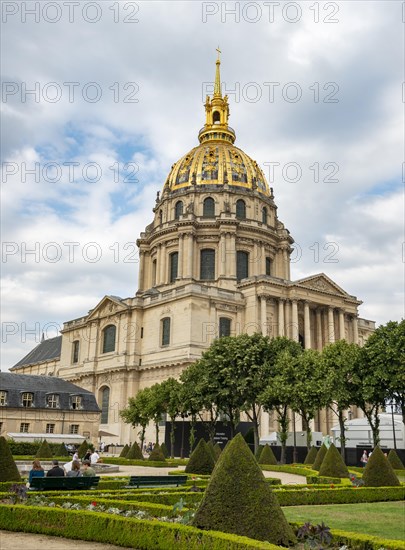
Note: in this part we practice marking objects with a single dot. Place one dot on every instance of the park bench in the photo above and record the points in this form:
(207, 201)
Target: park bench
(152, 481)
(67, 483)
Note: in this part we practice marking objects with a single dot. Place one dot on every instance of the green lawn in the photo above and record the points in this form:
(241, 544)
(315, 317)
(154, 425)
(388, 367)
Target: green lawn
(381, 519)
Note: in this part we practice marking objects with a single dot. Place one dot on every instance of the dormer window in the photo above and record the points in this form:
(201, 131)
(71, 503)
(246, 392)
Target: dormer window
(27, 399)
(52, 401)
(3, 398)
(76, 402)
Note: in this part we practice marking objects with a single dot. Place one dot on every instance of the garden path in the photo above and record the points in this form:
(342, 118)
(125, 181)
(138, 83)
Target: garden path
(28, 541)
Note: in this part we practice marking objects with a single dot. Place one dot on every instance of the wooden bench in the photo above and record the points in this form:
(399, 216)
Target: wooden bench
(152, 481)
(67, 483)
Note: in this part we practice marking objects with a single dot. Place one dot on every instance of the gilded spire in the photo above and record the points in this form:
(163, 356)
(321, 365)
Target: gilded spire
(217, 86)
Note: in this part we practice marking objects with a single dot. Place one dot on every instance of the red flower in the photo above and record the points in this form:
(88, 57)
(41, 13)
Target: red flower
(332, 486)
(94, 503)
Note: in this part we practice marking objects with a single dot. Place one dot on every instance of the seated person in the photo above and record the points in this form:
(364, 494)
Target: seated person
(88, 471)
(94, 457)
(37, 470)
(56, 470)
(75, 470)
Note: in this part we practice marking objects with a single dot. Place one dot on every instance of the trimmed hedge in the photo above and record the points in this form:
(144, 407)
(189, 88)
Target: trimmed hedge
(8, 468)
(339, 495)
(311, 455)
(156, 455)
(379, 472)
(267, 456)
(134, 452)
(129, 532)
(360, 541)
(124, 451)
(128, 462)
(44, 451)
(394, 460)
(319, 457)
(322, 480)
(201, 460)
(333, 464)
(289, 469)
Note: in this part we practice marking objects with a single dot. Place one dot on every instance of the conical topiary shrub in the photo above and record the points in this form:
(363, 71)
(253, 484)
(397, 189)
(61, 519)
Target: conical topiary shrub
(379, 472)
(44, 451)
(239, 501)
(394, 460)
(201, 461)
(157, 454)
(124, 451)
(311, 455)
(8, 468)
(210, 447)
(333, 464)
(319, 457)
(82, 450)
(164, 450)
(62, 451)
(217, 450)
(267, 456)
(134, 452)
(259, 451)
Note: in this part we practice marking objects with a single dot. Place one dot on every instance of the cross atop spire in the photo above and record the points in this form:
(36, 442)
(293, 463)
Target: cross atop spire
(217, 86)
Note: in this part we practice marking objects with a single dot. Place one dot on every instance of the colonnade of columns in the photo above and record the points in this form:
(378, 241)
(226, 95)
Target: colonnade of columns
(321, 324)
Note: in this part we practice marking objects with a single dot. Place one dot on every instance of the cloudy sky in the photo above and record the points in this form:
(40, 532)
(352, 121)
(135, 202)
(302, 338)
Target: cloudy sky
(101, 98)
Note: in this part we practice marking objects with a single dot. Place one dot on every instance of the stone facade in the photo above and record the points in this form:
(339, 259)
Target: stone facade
(214, 261)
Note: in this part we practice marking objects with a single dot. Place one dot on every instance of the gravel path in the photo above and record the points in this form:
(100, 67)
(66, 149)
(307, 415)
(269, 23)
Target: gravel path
(28, 541)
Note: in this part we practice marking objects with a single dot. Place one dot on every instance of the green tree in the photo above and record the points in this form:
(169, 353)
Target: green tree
(340, 360)
(8, 468)
(137, 412)
(309, 388)
(155, 407)
(170, 391)
(277, 394)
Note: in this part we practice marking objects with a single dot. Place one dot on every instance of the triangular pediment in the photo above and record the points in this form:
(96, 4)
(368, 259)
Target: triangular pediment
(322, 283)
(109, 305)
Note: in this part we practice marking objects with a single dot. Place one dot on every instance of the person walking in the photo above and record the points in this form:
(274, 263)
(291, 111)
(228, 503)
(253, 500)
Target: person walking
(56, 470)
(37, 471)
(364, 459)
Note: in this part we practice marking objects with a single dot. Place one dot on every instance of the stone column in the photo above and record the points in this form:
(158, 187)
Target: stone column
(222, 255)
(158, 263)
(190, 249)
(163, 264)
(294, 327)
(319, 329)
(307, 327)
(285, 262)
(281, 317)
(264, 423)
(180, 258)
(331, 325)
(141, 272)
(256, 260)
(231, 254)
(341, 324)
(355, 330)
(288, 319)
(263, 314)
(263, 259)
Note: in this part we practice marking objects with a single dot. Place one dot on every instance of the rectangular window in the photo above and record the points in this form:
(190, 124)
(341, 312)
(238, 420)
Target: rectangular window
(207, 265)
(1, 427)
(268, 266)
(24, 427)
(50, 428)
(27, 399)
(141, 332)
(165, 331)
(74, 429)
(242, 265)
(224, 327)
(3, 398)
(52, 401)
(76, 402)
(174, 263)
(75, 352)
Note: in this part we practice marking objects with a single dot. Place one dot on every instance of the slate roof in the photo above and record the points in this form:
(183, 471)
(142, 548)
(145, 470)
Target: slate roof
(45, 351)
(41, 386)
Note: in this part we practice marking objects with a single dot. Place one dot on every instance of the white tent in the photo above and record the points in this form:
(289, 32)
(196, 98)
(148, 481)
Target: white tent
(358, 432)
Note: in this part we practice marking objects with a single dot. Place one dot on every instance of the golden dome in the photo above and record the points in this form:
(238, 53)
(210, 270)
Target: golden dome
(216, 161)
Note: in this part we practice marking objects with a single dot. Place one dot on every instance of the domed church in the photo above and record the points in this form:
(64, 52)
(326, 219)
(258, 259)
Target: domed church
(214, 261)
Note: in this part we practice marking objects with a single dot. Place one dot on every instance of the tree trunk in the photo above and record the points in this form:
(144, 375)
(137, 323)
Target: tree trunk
(374, 421)
(283, 422)
(142, 437)
(342, 435)
(307, 420)
(172, 437)
(255, 429)
(157, 432)
(192, 433)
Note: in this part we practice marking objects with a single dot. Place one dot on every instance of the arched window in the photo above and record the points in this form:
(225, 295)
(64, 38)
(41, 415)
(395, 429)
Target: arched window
(268, 266)
(109, 338)
(241, 209)
(209, 208)
(154, 265)
(75, 351)
(165, 331)
(207, 264)
(216, 117)
(178, 210)
(160, 217)
(224, 327)
(264, 215)
(242, 265)
(174, 262)
(105, 404)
